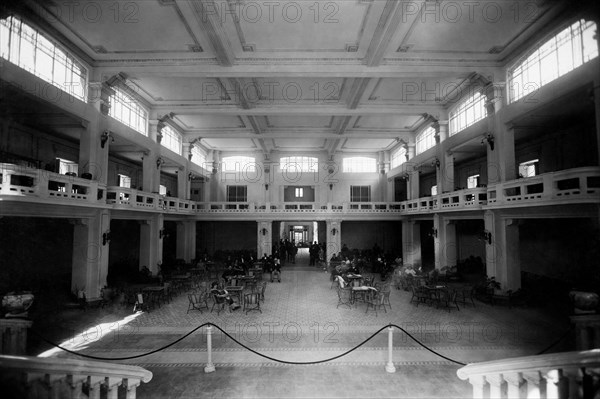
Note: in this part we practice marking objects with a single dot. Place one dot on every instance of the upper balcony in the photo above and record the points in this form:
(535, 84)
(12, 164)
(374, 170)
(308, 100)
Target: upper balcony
(572, 186)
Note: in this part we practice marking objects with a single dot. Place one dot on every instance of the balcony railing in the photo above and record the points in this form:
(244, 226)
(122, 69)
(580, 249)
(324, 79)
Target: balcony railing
(573, 185)
(565, 185)
(556, 375)
(36, 377)
(19, 181)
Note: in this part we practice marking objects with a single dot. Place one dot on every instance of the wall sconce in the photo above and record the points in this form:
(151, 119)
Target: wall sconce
(487, 236)
(159, 162)
(405, 176)
(106, 237)
(436, 163)
(434, 233)
(267, 186)
(264, 231)
(489, 138)
(104, 138)
(190, 176)
(162, 233)
(330, 186)
(333, 231)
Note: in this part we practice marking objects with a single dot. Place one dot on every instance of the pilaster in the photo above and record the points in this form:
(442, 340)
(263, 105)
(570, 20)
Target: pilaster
(151, 242)
(334, 237)
(91, 241)
(411, 243)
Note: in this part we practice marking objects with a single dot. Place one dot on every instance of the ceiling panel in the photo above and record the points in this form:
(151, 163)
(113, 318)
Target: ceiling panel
(368, 144)
(300, 143)
(126, 27)
(292, 26)
(467, 27)
(399, 122)
(290, 121)
(229, 144)
(207, 121)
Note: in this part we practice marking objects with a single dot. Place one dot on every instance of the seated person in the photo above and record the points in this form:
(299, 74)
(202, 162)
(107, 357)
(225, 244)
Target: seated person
(222, 293)
(229, 273)
(276, 270)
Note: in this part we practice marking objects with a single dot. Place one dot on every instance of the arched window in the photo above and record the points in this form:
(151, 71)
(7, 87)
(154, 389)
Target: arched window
(359, 165)
(239, 163)
(171, 139)
(569, 49)
(300, 164)
(425, 140)
(398, 157)
(198, 157)
(467, 112)
(35, 52)
(125, 109)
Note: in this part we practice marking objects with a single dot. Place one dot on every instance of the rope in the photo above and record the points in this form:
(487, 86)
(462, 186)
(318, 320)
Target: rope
(272, 358)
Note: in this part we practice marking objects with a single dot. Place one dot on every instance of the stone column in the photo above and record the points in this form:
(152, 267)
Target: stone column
(90, 254)
(334, 237)
(264, 234)
(445, 242)
(411, 243)
(502, 250)
(183, 183)
(186, 240)
(95, 139)
(151, 244)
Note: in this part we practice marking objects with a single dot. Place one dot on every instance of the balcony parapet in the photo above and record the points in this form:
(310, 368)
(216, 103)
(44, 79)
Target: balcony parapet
(37, 377)
(552, 375)
(26, 183)
(579, 184)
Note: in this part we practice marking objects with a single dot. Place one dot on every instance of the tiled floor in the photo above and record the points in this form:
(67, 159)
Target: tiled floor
(300, 323)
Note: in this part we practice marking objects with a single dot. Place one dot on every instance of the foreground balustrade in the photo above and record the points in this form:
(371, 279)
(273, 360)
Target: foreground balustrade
(556, 375)
(20, 181)
(36, 377)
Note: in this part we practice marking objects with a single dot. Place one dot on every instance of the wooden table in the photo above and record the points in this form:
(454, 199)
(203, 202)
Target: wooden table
(235, 291)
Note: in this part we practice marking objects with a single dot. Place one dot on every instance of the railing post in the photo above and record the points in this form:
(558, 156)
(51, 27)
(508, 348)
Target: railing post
(390, 364)
(210, 367)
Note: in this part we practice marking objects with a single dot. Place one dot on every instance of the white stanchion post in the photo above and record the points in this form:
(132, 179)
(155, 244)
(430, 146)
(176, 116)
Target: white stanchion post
(210, 367)
(389, 367)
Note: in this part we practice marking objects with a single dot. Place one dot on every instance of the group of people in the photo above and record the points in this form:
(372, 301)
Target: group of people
(285, 250)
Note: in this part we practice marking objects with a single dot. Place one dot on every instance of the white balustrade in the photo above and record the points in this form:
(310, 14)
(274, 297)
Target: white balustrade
(36, 377)
(555, 375)
(579, 184)
(23, 182)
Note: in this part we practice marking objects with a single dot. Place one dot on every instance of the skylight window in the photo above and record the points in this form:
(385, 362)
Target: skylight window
(569, 49)
(467, 113)
(35, 52)
(171, 139)
(300, 164)
(125, 109)
(425, 140)
(359, 165)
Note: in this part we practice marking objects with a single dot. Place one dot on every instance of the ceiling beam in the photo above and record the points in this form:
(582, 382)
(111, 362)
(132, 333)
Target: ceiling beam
(310, 110)
(356, 92)
(386, 28)
(206, 68)
(286, 134)
(209, 20)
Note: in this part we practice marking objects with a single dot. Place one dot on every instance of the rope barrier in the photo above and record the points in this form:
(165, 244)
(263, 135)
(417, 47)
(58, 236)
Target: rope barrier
(272, 358)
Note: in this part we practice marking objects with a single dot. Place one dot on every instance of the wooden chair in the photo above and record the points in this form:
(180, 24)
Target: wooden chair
(252, 302)
(197, 302)
(220, 302)
(344, 296)
(447, 299)
(374, 301)
(418, 295)
(263, 287)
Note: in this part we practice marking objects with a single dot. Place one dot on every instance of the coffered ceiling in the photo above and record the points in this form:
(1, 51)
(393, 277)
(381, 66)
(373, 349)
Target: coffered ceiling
(263, 76)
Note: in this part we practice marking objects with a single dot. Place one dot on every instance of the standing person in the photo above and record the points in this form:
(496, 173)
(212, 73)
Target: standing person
(294, 252)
